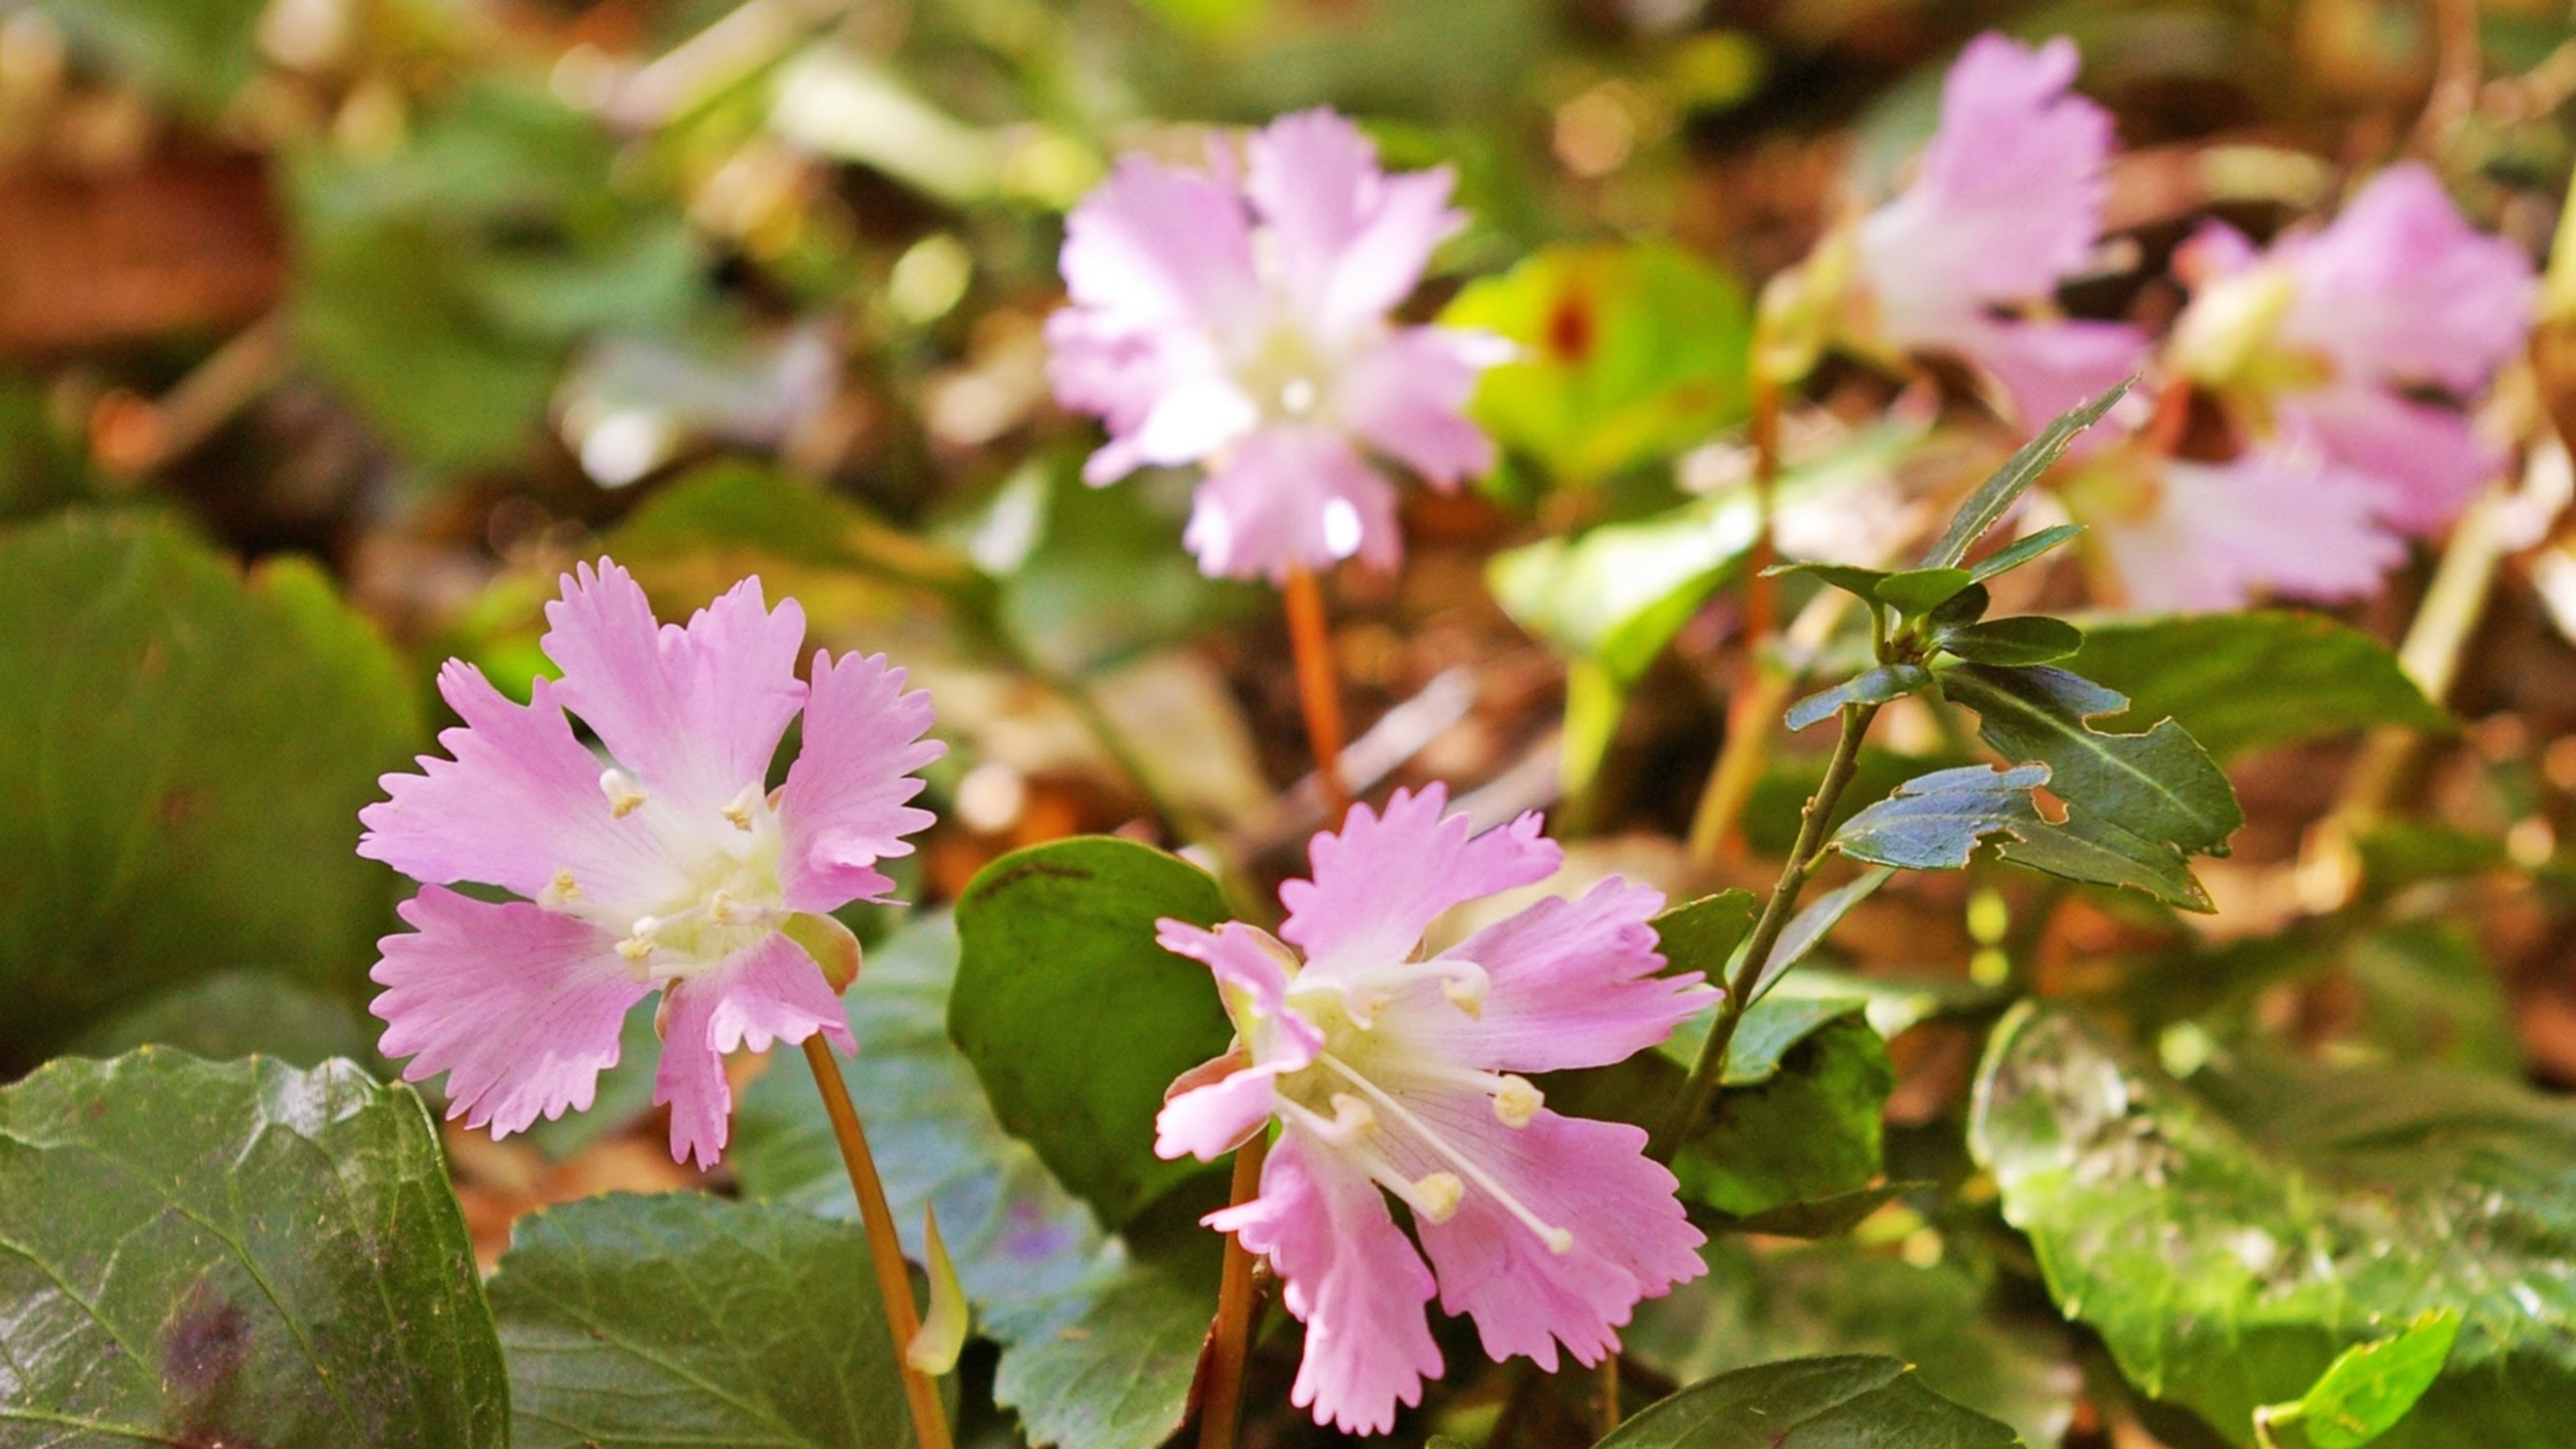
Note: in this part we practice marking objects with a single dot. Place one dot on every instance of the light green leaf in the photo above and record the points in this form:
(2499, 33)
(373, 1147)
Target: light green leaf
(1108, 1364)
(1812, 1403)
(199, 53)
(1629, 353)
(2159, 785)
(1920, 591)
(228, 1252)
(2229, 1240)
(1756, 1305)
(1075, 1019)
(1618, 593)
(2370, 1386)
(1816, 920)
(188, 754)
(2241, 682)
(1702, 935)
(685, 1319)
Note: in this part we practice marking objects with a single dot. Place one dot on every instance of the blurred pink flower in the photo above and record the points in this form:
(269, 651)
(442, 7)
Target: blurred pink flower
(1240, 322)
(1387, 1070)
(2321, 342)
(669, 864)
(2208, 537)
(2006, 202)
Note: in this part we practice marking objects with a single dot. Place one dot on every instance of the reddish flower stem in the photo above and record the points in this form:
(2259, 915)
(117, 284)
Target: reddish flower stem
(885, 1249)
(1310, 639)
(1230, 1340)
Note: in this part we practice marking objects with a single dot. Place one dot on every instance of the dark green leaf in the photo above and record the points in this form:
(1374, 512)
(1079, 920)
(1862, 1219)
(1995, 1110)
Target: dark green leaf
(1014, 1233)
(2021, 551)
(1995, 497)
(2027, 639)
(685, 1319)
(1075, 1020)
(1850, 578)
(2159, 785)
(1800, 1118)
(2230, 1239)
(1701, 935)
(2370, 1386)
(235, 1252)
(1920, 591)
(1877, 686)
(1938, 821)
(1628, 353)
(1755, 1306)
(1812, 1403)
(1824, 1217)
(1958, 611)
(187, 757)
(2240, 682)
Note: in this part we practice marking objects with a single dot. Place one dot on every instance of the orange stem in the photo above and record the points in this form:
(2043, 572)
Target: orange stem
(1310, 639)
(1230, 1341)
(894, 1283)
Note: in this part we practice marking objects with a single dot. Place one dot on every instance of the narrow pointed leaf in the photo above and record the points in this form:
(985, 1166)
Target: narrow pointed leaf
(2021, 551)
(2027, 639)
(1878, 686)
(1813, 923)
(1995, 497)
(1812, 1403)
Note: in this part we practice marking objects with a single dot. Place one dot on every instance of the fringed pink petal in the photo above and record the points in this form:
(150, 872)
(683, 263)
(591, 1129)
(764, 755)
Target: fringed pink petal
(2399, 288)
(1381, 880)
(1288, 498)
(843, 807)
(1351, 1278)
(2427, 457)
(1570, 984)
(521, 1007)
(1350, 240)
(1408, 399)
(2215, 537)
(770, 992)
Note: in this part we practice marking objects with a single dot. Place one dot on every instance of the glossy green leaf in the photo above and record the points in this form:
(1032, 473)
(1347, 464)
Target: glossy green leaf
(1812, 1403)
(187, 757)
(2023, 550)
(203, 1253)
(1800, 1118)
(686, 1319)
(1996, 496)
(1937, 822)
(1958, 611)
(2241, 682)
(1628, 353)
(2025, 639)
(1876, 686)
(1075, 1020)
(2159, 784)
(2230, 1238)
(1015, 1233)
(2370, 1386)
(1755, 1306)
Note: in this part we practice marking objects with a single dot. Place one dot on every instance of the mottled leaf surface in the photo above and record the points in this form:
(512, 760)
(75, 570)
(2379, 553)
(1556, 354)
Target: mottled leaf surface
(205, 1253)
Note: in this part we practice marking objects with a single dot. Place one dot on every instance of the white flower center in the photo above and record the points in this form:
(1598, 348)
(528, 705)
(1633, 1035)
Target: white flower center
(1352, 1096)
(730, 896)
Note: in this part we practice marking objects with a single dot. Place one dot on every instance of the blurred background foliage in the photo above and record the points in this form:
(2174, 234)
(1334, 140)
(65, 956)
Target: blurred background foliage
(331, 330)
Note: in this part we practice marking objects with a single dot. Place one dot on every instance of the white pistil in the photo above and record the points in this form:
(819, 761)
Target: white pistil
(1352, 1120)
(625, 796)
(738, 810)
(1559, 1241)
(560, 892)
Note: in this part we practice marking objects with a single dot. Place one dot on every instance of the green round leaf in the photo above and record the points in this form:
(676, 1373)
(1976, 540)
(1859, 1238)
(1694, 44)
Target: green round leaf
(187, 757)
(234, 1253)
(1075, 1019)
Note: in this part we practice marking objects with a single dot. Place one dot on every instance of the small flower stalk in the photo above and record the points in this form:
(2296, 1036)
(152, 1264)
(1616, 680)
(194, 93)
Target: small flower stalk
(1237, 318)
(665, 865)
(1390, 1073)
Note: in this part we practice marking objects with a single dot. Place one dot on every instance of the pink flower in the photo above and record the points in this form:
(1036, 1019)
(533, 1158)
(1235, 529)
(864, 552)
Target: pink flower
(2006, 203)
(1241, 323)
(1389, 1071)
(669, 864)
(2322, 341)
(2207, 537)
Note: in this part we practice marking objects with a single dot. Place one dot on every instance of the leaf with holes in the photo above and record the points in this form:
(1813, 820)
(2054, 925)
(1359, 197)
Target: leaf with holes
(2158, 784)
(235, 1252)
(1937, 821)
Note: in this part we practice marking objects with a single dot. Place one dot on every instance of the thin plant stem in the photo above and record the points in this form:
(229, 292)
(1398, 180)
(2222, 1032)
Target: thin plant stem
(885, 1249)
(1804, 857)
(1230, 1341)
(1310, 639)
(1605, 1404)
